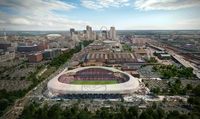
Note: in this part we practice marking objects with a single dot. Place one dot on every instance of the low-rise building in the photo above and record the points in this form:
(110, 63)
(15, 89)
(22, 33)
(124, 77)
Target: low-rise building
(140, 51)
(51, 53)
(32, 48)
(5, 45)
(35, 57)
(162, 55)
(5, 56)
(110, 57)
(27, 48)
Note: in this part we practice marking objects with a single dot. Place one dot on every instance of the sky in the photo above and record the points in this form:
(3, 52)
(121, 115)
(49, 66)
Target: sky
(123, 14)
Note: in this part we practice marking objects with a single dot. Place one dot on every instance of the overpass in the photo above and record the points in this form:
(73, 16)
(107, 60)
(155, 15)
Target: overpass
(185, 63)
(156, 47)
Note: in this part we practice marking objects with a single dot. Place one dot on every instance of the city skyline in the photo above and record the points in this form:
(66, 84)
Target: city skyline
(123, 14)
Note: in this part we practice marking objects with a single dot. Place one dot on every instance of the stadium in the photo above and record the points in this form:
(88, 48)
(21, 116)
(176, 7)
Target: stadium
(92, 82)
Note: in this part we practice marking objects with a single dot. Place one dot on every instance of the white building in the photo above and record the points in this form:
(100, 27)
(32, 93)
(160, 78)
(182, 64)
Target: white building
(7, 56)
(89, 33)
(60, 84)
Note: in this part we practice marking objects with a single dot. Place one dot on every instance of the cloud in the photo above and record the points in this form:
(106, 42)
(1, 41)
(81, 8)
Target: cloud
(101, 4)
(2, 22)
(185, 24)
(91, 5)
(191, 23)
(20, 21)
(37, 15)
(165, 4)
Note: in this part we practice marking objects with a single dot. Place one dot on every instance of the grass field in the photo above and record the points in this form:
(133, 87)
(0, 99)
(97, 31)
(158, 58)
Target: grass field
(48, 72)
(93, 82)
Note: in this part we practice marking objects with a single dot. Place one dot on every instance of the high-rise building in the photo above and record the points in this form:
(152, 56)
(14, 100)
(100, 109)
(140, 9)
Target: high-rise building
(104, 35)
(112, 33)
(94, 35)
(5, 36)
(72, 31)
(89, 32)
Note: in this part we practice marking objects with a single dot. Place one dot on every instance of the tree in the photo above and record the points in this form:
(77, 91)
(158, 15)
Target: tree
(144, 115)
(29, 111)
(154, 106)
(161, 113)
(196, 90)
(173, 115)
(152, 60)
(132, 113)
(55, 112)
(43, 112)
(3, 104)
(156, 90)
(83, 114)
(189, 87)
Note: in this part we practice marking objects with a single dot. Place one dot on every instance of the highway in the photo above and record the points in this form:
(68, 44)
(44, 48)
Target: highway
(181, 60)
(184, 62)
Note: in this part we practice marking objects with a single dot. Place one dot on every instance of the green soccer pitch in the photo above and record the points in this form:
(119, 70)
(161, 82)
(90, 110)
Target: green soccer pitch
(94, 82)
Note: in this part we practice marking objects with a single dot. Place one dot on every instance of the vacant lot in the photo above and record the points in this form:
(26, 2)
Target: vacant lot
(14, 85)
(162, 84)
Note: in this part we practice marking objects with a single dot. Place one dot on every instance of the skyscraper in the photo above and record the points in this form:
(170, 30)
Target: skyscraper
(72, 30)
(112, 33)
(5, 36)
(89, 33)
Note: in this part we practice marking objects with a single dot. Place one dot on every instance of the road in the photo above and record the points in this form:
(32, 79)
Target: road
(185, 63)
(181, 60)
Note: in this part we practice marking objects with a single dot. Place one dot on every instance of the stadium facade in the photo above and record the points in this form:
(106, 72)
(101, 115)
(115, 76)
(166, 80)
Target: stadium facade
(62, 85)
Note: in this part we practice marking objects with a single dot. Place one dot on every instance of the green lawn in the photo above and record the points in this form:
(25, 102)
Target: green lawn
(93, 82)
